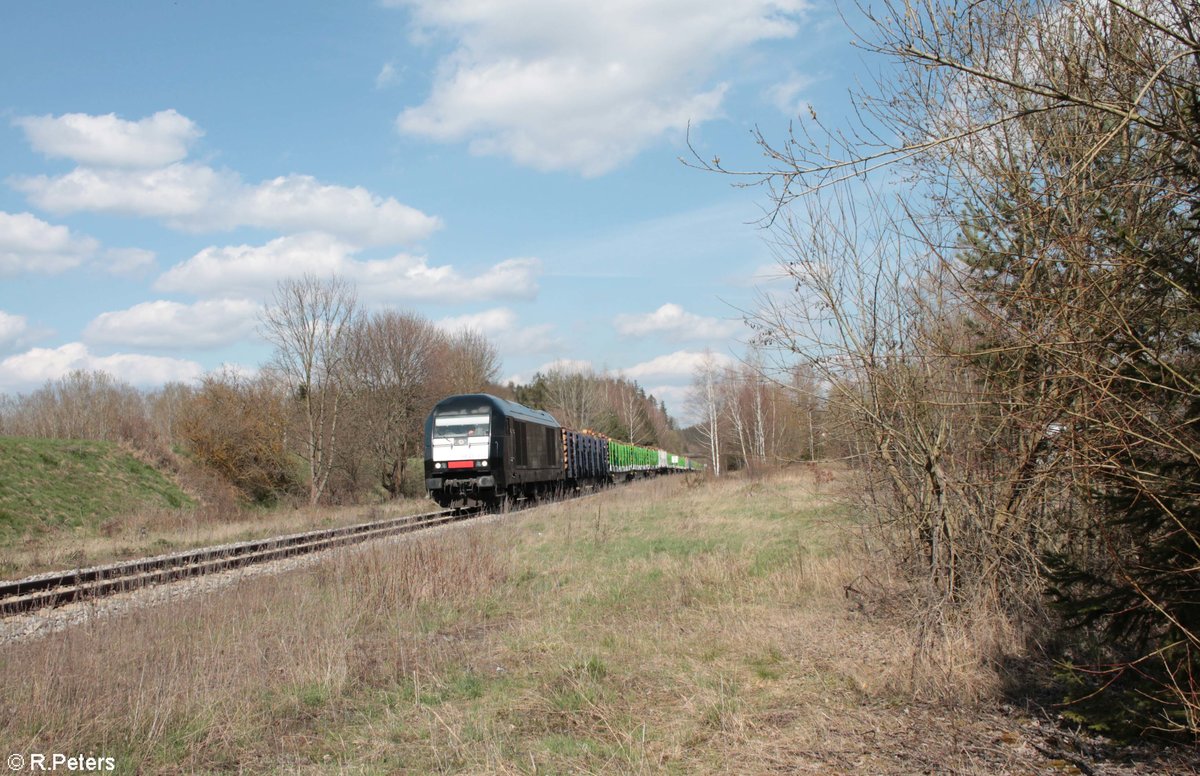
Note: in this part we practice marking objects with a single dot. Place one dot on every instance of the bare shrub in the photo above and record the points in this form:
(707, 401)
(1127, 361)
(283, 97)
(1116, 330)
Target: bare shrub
(237, 427)
(1015, 347)
(83, 405)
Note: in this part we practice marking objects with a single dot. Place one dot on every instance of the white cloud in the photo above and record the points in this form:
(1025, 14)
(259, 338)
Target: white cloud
(680, 364)
(128, 261)
(785, 95)
(177, 192)
(163, 324)
(411, 278)
(676, 323)
(113, 178)
(254, 270)
(509, 279)
(496, 319)
(588, 85)
(29, 244)
(14, 329)
(109, 141)
(500, 325)
(12, 326)
(34, 367)
(296, 203)
(198, 198)
(387, 76)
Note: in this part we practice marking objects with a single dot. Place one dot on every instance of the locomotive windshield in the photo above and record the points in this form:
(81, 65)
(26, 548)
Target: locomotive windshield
(461, 427)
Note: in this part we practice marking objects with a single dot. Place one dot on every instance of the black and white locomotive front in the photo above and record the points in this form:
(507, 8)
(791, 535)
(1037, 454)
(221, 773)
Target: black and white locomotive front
(483, 450)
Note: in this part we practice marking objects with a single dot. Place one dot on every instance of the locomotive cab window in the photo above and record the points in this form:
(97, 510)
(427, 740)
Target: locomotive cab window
(461, 427)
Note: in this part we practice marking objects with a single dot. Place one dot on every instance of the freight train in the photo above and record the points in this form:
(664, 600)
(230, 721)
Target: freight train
(483, 450)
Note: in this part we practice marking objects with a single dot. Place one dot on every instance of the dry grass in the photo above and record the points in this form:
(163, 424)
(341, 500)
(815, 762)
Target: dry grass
(199, 682)
(677, 626)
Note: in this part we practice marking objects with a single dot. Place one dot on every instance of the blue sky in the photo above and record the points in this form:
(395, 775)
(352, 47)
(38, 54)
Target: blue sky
(510, 165)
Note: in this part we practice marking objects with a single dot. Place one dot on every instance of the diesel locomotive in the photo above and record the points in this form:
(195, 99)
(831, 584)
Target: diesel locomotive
(481, 449)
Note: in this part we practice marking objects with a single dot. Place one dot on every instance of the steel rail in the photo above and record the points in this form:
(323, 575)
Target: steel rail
(59, 588)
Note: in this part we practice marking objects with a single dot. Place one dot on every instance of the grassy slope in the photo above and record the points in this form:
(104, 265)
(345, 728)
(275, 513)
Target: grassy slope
(48, 485)
(67, 503)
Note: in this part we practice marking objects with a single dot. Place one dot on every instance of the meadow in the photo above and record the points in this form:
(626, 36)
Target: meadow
(678, 625)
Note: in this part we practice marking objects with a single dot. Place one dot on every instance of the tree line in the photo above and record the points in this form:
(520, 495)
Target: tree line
(614, 406)
(751, 418)
(337, 413)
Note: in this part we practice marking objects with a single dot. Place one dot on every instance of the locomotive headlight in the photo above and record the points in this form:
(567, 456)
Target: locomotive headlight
(437, 466)
(481, 463)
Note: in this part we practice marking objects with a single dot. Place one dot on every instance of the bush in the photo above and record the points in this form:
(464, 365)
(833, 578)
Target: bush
(236, 427)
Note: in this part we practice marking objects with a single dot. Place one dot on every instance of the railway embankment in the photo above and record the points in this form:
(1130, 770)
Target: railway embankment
(52, 486)
(677, 625)
(66, 504)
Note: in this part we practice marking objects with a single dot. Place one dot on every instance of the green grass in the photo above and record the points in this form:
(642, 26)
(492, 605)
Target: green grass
(55, 485)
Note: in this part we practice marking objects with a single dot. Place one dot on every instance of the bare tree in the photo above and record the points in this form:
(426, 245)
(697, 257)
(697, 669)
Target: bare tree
(394, 367)
(802, 393)
(747, 403)
(308, 322)
(707, 402)
(469, 362)
(630, 401)
(1072, 140)
(731, 386)
(85, 404)
(165, 407)
(574, 397)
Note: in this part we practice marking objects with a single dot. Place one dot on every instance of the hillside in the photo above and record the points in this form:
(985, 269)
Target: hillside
(51, 485)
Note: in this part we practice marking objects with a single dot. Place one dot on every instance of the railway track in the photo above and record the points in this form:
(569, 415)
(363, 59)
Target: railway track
(59, 588)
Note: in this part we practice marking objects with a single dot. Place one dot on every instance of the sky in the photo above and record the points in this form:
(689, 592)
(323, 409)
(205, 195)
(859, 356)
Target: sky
(508, 165)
